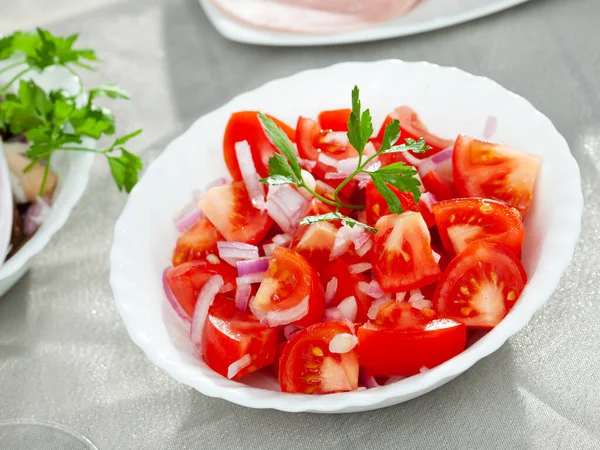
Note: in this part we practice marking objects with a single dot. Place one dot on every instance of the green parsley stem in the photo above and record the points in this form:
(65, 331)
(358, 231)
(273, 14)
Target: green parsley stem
(46, 170)
(12, 66)
(337, 204)
(13, 79)
(84, 149)
(32, 163)
(352, 175)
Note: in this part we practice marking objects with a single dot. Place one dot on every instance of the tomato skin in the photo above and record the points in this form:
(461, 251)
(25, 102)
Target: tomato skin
(278, 354)
(229, 334)
(402, 257)
(377, 206)
(442, 190)
(481, 285)
(480, 219)
(387, 351)
(348, 286)
(334, 120)
(246, 126)
(412, 127)
(494, 171)
(197, 242)
(308, 367)
(230, 210)
(289, 279)
(187, 279)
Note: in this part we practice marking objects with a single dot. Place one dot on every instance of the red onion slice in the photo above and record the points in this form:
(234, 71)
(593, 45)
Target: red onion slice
(348, 308)
(375, 290)
(188, 217)
(393, 379)
(360, 267)
(424, 369)
(367, 380)
(253, 278)
(344, 237)
(400, 296)
(205, 299)
(237, 251)
(286, 206)
(36, 214)
(342, 343)
(256, 190)
(172, 300)
(364, 249)
(282, 239)
(286, 316)
(330, 290)
(290, 330)
(242, 296)
(269, 248)
(332, 314)
(235, 367)
(436, 256)
(255, 267)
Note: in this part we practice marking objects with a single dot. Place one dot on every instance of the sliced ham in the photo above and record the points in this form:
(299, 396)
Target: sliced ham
(314, 16)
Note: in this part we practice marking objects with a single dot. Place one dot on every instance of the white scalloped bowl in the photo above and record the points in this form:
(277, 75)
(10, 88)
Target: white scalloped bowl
(72, 170)
(449, 101)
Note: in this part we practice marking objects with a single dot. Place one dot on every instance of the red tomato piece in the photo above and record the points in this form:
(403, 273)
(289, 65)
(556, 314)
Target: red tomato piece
(196, 243)
(246, 126)
(290, 291)
(440, 188)
(404, 340)
(466, 220)
(377, 207)
(230, 210)
(480, 285)
(483, 169)
(426, 212)
(308, 367)
(402, 257)
(187, 279)
(412, 127)
(230, 334)
(347, 286)
(278, 353)
(308, 133)
(334, 120)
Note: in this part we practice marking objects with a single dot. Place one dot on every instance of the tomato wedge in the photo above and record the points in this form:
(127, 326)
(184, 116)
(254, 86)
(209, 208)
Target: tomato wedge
(187, 279)
(480, 285)
(402, 257)
(403, 340)
(290, 291)
(308, 366)
(347, 286)
(196, 243)
(442, 189)
(231, 335)
(246, 126)
(230, 210)
(466, 220)
(483, 169)
(334, 120)
(377, 207)
(412, 127)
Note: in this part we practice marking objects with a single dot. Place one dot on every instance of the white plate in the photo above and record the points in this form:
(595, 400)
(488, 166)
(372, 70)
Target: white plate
(6, 206)
(426, 16)
(449, 102)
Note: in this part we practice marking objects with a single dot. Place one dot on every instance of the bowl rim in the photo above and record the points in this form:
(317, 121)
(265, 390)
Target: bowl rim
(388, 394)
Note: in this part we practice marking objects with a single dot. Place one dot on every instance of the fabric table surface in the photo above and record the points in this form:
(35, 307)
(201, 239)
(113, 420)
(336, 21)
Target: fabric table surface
(65, 355)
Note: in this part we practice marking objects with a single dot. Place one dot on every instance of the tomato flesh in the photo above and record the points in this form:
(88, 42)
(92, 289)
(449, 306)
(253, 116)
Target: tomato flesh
(480, 285)
(402, 341)
(442, 189)
(377, 206)
(498, 172)
(289, 283)
(187, 279)
(230, 210)
(246, 126)
(347, 286)
(402, 257)
(466, 220)
(308, 367)
(334, 120)
(230, 334)
(197, 242)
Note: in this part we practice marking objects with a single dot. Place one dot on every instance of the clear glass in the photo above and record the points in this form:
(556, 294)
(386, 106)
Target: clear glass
(30, 434)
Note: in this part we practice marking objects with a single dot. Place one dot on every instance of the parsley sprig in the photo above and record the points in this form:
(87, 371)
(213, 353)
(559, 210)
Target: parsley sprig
(284, 167)
(58, 121)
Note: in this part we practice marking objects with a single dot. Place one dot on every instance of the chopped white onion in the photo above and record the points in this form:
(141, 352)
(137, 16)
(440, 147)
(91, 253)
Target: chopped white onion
(242, 296)
(344, 237)
(342, 343)
(256, 190)
(415, 292)
(188, 217)
(360, 267)
(400, 296)
(286, 206)
(336, 137)
(282, 239)
(363, 287)
(424, 369)
(290, 330)
(269, 248)
(347, 165)
(364, 249)
(375, 307)
(213, 259)
(331, 314)
(235, 367)
(205, 299)
(286, 316)
(348, 308)
(367, 380)
(436, 256)
(228, 287)
(393, 379)
(309, 181)
(253, 278)
(375, 290)
(330, 290)
(307, 163)
(418, 301)
(232, 252)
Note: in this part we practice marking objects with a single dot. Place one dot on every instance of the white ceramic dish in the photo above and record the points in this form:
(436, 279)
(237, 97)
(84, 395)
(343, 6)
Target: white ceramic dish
(6, 206)
(449, 101)
(426, 16)
(72, 169)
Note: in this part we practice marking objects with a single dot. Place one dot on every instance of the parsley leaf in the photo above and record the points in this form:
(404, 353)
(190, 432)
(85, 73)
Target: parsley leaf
(280, 172)
(400, 176)
(390, 136)
(282, 143)
(309, 220)
(109, 90)
(410, 144)
(125, 169)
(360, 125)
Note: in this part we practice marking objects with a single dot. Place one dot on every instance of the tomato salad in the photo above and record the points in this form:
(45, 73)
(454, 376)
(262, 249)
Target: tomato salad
(339, 258)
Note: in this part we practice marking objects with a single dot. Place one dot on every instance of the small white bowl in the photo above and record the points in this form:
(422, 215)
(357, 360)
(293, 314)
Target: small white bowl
(72, 170)
(6, 206)
(449, 101)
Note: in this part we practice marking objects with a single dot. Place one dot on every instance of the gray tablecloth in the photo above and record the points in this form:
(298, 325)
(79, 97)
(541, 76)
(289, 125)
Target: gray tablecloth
(65, 355)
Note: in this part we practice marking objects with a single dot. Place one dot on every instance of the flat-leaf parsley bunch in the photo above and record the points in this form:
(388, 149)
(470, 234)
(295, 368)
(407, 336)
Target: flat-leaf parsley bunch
(284, 167)
(58, 121)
